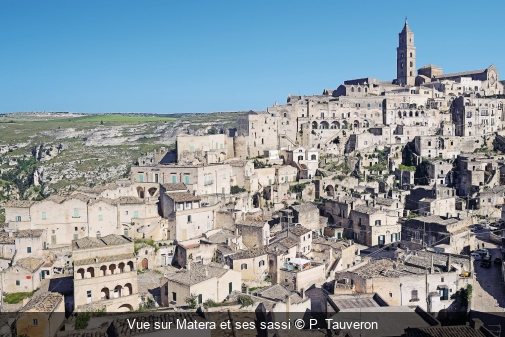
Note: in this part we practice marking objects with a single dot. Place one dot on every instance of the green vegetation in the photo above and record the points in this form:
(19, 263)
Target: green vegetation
(402, 167)
(22, 175)
(412, 216)
(259, 165)
(377, 167)
(466, 295)
(245, 301)
(298, 188)
(237, 189)
(191, 302)
(140, 242)
(82, 320)
(14, 298)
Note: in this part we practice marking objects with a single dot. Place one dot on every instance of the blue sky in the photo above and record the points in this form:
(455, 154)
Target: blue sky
(204, 56)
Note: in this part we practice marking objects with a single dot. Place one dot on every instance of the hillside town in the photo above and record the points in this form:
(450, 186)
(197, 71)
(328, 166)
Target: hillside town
(386, 196)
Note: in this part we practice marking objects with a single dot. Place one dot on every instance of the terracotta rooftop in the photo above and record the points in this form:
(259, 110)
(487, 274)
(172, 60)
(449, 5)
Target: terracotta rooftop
(365, 209)
(175, 187)
(92, 242)
(104, 259)
(19, 203)
(306, 207)
(5, 238)
(128, 200)
(251, 223)
(30, 263)
(197, 273)
(29, 233)
(44, 303)
(299, 230)
(250, 253)
(183, 196)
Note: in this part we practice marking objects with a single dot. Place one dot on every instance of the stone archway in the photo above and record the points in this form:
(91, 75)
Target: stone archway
(124, 308)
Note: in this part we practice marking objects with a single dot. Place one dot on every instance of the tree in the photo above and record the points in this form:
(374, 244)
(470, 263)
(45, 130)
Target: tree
(245, 301)
(191, 302)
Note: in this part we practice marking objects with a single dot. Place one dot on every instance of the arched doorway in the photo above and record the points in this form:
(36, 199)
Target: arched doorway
(145, 264)
(105, 293)
(140, 192)
(330, 191)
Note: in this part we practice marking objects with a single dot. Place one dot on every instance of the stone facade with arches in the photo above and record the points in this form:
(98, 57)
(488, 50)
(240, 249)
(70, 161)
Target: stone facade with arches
(105, 274)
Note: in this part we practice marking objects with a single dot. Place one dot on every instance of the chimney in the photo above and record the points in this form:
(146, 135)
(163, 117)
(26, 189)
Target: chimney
(476, 324)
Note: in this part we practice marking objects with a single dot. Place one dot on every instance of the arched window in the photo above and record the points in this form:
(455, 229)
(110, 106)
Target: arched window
(313, 157)
(261, 263)
(352, 89)
(243, 266)
(413, 295)
(287, 122)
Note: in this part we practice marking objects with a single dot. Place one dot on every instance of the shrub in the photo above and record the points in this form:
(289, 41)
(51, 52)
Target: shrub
(237, 189)
(191, 302)
(245, 301)
(82, 320)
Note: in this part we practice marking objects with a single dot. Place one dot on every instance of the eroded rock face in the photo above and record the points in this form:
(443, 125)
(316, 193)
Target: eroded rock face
(45, 152)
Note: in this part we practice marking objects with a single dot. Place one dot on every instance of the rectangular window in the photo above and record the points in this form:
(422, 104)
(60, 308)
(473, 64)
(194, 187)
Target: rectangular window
(18, 218)
(136, 214)
(174, 296)
(28, 249)
(382, 239)
(156, 178)
(191, 148)
(200, 299)
(35, 322)
(224, 175)
(189, 218)
(186, 179)
(18, 282)
(125, 232)
(377, 222)
(76, 213)
(76, 237)
(141, 178)
(230, 287)
(174, 178)
(88, 294)
(100, 217)
(76, 229)
(44, 216)
(53, 239)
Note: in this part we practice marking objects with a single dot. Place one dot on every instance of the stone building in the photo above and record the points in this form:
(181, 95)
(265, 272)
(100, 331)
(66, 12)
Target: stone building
(203, 281)
(105, 274)
(450, 235)
(42, 316)
(255, 233)
(424, 279)
(23, 276)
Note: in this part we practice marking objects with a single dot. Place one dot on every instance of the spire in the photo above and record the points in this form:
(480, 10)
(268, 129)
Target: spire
(406, 27)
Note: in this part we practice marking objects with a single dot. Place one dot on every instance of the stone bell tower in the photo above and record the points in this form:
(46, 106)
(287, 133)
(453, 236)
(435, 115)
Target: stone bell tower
(406, 57)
